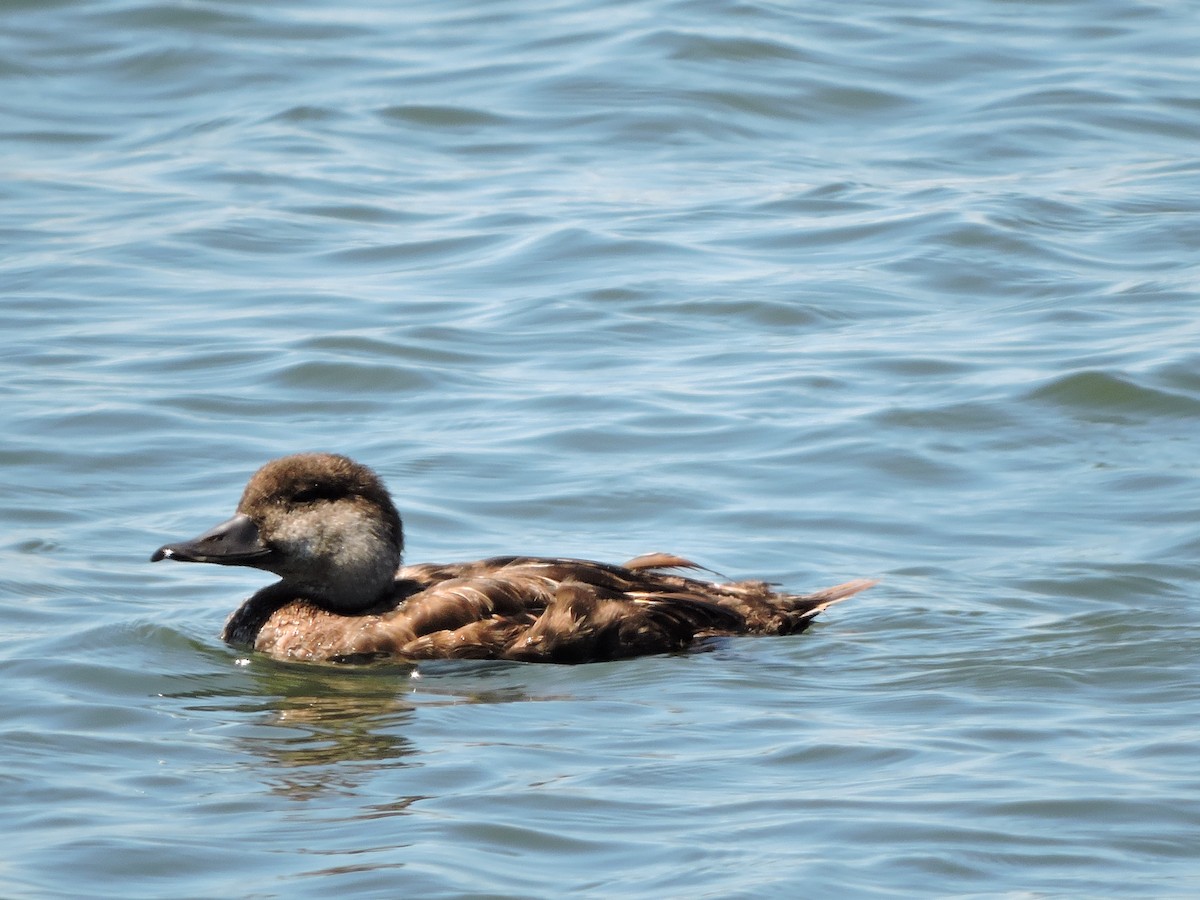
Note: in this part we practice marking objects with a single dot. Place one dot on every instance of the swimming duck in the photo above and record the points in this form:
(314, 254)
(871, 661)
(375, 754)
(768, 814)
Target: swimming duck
(327, 527)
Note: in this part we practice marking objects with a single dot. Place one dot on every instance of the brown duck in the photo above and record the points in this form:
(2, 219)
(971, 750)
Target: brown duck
(328, 528)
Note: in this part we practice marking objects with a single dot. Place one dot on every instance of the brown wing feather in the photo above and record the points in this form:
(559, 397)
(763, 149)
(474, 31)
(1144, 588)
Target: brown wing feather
(580, 625)
(659, 561)
(478, 640)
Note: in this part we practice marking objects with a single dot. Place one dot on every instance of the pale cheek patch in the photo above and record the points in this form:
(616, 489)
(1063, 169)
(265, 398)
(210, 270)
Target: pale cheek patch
(297, 538)
(338, 543)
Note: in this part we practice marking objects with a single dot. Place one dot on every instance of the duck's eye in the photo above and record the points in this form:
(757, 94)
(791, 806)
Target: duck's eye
(310, 493)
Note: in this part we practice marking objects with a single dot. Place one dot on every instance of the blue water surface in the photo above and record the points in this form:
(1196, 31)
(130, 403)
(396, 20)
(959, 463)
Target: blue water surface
(801, 291)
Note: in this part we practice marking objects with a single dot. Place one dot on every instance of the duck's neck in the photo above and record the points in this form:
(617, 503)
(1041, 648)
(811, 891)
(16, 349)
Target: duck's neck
(350, 590)
(247, 620)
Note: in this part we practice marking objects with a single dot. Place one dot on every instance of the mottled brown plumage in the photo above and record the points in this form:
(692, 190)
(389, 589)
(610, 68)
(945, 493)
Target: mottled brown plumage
(328, 528)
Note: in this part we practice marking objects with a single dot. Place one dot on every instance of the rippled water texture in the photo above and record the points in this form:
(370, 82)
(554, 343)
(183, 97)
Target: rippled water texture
(801, 291)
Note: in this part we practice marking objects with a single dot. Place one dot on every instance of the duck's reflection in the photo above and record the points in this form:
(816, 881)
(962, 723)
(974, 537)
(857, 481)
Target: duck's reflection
(322, 728)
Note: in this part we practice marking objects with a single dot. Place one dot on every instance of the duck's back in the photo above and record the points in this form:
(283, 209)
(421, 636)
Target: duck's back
(530, 609)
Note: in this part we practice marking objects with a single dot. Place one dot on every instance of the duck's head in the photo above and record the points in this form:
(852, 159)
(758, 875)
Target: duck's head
(321, 522)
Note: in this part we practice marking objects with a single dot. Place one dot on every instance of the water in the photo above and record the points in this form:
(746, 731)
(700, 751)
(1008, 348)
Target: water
(804, 292)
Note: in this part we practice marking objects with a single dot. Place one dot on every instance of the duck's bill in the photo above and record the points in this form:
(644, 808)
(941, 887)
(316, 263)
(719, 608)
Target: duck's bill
(233, 543)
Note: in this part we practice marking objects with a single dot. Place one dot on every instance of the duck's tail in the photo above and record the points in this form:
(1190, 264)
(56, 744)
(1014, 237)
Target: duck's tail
(793, 613)
(822, 600)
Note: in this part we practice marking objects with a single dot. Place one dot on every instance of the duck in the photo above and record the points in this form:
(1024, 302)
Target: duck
(328, 528)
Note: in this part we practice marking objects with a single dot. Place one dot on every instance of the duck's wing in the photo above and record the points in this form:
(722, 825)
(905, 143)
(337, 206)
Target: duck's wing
(554, 610)
(446, 597)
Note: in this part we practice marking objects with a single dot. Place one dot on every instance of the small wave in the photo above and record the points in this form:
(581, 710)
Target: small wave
(1098, 393)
